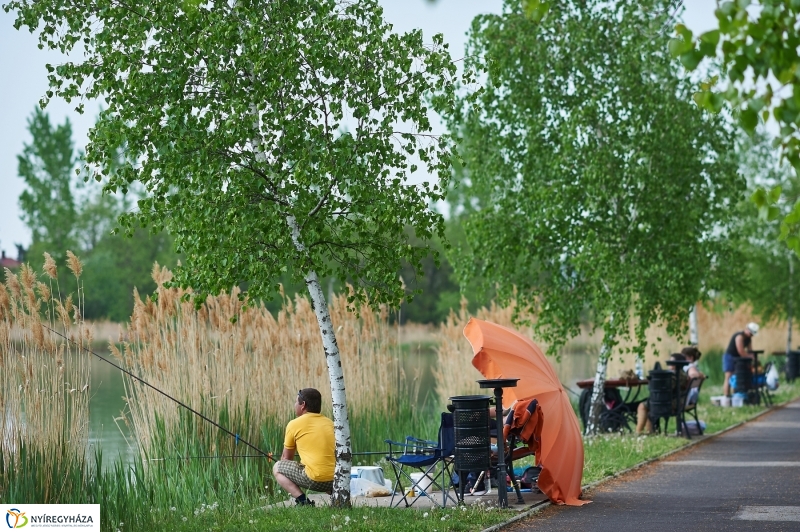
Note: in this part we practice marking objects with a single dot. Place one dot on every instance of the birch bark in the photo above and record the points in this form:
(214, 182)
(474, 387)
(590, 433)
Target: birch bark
(341, 422)
(693, 330)
(599, 385)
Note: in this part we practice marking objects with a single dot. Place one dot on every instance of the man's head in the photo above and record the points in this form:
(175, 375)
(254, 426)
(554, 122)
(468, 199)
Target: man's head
(751, 329)
(311, 399)
(691, 353)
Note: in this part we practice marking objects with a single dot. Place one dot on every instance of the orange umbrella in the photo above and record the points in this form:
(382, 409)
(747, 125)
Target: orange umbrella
(502, 353)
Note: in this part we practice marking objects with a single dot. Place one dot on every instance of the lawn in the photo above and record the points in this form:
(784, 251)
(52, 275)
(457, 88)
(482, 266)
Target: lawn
(604, 456)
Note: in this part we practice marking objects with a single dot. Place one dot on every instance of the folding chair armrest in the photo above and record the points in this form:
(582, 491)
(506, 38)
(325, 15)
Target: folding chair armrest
(403, 448)
(411, 440)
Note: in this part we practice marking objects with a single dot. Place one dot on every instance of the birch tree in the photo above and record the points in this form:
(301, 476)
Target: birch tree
(594, 186)
(752, 59)
(270, 137)
(767, 282)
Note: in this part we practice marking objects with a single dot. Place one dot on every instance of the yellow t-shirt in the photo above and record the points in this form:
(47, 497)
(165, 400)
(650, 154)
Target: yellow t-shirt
(312, 436)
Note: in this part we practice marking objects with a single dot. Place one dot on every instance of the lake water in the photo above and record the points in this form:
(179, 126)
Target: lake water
(108, 431)
(106, 406)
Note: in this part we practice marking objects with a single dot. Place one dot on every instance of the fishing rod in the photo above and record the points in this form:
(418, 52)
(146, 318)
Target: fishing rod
(202, 457)
(268, 455)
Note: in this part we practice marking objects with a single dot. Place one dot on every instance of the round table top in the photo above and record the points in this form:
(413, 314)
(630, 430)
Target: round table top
(613, 383)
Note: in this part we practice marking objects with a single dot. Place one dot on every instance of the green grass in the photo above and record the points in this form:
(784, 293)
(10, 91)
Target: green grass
(324, 518)
(221, 495)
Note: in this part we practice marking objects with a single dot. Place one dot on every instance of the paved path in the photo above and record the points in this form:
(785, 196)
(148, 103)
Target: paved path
(745, 480)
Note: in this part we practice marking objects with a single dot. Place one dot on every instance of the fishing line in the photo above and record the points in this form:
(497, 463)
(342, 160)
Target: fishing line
(165, 394)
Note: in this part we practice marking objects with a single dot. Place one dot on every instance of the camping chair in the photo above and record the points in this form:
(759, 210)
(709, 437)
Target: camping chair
(517, 448)
(692, 397)
(434, 459)
(761, 385)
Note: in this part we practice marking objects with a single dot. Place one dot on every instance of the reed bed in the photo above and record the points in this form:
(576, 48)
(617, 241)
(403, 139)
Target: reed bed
(455, 375)
(44, 386)
(232, 360)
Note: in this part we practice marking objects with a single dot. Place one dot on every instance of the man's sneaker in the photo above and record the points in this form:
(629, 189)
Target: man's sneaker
(307, 502)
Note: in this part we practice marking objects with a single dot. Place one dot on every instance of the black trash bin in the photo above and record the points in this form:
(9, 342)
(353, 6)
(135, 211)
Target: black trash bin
(743, 371)
(662, 390)
(471, 422)
(792, 365)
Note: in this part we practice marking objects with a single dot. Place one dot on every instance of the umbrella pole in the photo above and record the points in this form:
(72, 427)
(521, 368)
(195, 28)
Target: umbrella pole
(502, 493)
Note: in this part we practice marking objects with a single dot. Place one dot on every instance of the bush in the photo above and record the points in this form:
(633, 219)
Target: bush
(711, 365)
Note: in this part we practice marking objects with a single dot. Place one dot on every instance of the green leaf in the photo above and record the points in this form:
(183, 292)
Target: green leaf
(748, 118)
(677, 46)
(759, 197)
(710, 37)
(691, 59)
(774, 194)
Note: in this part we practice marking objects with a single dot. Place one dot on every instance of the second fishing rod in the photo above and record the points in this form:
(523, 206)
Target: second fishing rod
(262, 453)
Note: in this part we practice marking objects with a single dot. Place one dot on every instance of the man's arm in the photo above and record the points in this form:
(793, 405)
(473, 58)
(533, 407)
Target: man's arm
(287, 454)
(740, 346)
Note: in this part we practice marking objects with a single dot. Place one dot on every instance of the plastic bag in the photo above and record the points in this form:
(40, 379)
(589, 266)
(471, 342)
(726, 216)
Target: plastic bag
(772, 378)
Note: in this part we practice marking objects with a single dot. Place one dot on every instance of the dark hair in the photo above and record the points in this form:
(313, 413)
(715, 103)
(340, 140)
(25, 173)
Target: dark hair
(692, 352)
(677, 356)
(312, 398)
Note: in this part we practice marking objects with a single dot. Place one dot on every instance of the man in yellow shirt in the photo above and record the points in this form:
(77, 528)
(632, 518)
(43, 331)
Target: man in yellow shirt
(311, 435)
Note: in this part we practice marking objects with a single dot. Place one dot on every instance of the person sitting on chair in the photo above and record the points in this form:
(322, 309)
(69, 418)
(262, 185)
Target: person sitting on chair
(643, 422)
(311, 435)
(693, 355)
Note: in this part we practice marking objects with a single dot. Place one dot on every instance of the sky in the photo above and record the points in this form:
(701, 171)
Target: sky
(24, 80)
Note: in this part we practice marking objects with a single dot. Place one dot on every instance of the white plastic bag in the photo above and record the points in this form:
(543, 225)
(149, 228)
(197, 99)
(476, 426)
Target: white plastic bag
(772, 378)
(364, 488)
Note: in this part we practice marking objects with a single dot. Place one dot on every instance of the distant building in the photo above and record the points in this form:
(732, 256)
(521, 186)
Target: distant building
(12, 264)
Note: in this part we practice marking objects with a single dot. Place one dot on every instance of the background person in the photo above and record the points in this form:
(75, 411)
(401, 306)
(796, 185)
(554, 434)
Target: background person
(311, 435)
(693, 355)
(739, 346)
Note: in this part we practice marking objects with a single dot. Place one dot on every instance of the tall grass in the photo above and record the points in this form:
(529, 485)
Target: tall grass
(44, 387)
(235, 362)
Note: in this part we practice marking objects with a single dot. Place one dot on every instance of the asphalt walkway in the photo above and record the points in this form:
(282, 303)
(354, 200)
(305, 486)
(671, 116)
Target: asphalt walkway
(746, 479)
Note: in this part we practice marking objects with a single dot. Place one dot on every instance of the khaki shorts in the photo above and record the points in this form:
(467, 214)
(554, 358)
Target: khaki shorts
(295, 472)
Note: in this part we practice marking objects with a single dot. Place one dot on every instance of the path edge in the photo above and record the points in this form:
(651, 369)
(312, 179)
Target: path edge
(538, 507)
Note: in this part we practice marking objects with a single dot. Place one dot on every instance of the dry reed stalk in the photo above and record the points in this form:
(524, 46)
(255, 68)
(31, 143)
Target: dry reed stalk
(226, 354)
(44, 397)
(456, 376)
(716, 329)
(454, 372)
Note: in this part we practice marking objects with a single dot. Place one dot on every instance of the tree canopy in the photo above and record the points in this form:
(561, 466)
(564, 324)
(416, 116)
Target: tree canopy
(752, 58)
(598, 188)
(47, 165)
(270, 137)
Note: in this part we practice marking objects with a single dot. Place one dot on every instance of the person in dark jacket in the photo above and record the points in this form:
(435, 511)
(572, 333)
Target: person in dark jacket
(739, 346)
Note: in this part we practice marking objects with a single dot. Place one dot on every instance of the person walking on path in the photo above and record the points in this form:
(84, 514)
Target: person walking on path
(739, 346)
(745, 480)
(310, 434)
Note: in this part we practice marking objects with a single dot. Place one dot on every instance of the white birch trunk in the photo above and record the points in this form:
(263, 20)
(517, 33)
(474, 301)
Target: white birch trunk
(593, 423)
(693, 330)
(789, 304)
(341, 423)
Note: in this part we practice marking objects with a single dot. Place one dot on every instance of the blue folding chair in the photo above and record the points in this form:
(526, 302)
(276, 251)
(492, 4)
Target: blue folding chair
(434, 459)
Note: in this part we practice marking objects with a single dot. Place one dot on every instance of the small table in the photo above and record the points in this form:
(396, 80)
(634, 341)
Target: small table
(625, 411)
(498, 385)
